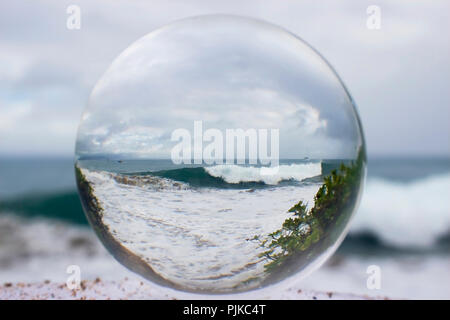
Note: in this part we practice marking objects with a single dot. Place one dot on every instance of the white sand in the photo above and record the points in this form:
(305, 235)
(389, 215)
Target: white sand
(136, 289)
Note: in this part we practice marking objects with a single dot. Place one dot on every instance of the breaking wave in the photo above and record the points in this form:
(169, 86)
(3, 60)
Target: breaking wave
(415, 214)
(272, 176)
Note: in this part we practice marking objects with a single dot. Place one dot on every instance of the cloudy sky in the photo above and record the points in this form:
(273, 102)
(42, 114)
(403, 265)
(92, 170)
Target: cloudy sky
(228, 72)
(398, 75)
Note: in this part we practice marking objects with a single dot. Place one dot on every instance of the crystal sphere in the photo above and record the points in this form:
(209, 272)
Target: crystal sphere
(220, 154)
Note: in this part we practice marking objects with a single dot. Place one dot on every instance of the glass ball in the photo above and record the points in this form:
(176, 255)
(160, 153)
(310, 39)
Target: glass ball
(220, 154)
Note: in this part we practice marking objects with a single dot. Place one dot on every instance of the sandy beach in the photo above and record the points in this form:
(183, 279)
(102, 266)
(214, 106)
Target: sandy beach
(134, 289)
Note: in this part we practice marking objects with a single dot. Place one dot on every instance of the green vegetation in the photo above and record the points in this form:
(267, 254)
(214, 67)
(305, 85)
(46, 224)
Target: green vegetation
(333, 205)
(88, 200)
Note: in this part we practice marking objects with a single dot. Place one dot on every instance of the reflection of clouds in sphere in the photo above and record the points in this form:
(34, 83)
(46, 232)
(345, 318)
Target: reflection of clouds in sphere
(230, 75)
(213, 226)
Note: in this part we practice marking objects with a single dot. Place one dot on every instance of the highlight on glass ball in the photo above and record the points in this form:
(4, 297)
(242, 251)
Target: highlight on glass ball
(220, 154)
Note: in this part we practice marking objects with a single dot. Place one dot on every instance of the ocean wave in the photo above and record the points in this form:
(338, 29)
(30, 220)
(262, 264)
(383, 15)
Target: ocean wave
(415, 214)
(61, 205)
(235, 176)
(403, 215)
(271, 176)
(38, 249)
(199, 177)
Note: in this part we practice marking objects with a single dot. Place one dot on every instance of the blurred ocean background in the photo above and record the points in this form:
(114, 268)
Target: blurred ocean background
(398, 75)
(402, 226)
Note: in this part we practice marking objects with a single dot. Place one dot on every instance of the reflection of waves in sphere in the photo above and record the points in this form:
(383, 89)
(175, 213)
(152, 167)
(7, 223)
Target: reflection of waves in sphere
(207, 226)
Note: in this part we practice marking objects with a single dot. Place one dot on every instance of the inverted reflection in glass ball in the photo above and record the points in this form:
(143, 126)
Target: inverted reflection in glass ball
(220, 154)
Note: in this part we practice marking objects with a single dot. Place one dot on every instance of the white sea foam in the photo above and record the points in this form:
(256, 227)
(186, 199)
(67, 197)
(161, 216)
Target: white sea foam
(412, 214)
(39, 249)
(35, 250)
(215, 223)
(403, 214)
(272, 176)
(166, 226)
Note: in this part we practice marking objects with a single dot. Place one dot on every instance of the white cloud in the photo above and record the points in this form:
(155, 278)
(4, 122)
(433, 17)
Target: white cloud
(397, 75)
(12, 114)
(237, 73)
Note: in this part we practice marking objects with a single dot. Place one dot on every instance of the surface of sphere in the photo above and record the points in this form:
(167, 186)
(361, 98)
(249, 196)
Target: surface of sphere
(220, 154)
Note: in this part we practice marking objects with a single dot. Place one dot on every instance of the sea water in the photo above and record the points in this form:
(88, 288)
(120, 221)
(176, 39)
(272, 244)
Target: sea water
(195, 225)
(43, 229)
